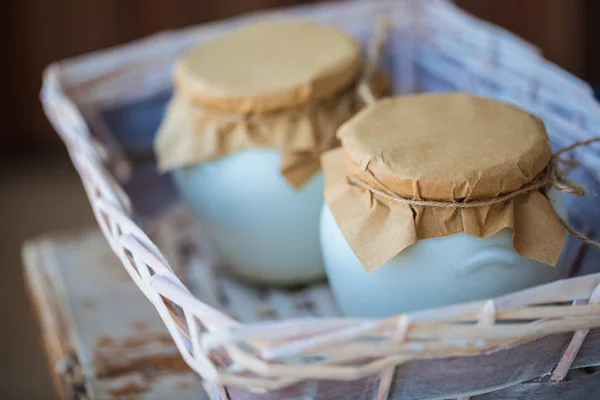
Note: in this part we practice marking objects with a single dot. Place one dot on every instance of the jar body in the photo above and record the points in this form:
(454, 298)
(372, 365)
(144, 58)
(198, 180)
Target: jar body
(259, 225)
(432, 272)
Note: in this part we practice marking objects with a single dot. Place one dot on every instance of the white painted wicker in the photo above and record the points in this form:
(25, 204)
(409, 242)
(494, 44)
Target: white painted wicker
(248, 343)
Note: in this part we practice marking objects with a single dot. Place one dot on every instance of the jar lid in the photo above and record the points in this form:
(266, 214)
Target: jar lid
(405, 164)
(269, 66)
(445, 146)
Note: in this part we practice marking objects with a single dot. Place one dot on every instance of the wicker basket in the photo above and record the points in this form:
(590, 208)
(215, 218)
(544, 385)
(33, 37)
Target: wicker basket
(273, 344)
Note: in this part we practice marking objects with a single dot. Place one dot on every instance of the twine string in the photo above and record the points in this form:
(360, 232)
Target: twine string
(553, 176)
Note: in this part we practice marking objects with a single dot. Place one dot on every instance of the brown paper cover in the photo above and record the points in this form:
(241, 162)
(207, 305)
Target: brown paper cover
(190, 135)
(442, 147)
(281, 85)
(269, 66)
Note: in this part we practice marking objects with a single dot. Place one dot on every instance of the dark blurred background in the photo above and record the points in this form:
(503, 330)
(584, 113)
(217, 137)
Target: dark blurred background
(40, 192)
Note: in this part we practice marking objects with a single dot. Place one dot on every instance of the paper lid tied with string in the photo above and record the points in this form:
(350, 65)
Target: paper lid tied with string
(283, 85)
(431, 165)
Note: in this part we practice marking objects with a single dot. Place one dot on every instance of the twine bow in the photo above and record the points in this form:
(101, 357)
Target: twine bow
(553, 176)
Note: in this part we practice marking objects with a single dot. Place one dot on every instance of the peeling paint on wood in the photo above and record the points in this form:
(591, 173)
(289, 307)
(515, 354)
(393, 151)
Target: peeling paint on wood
(103, 335)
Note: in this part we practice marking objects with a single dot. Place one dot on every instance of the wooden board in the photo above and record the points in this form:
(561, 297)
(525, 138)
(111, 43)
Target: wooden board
(102, 337)
(506, 371)
(586, 387)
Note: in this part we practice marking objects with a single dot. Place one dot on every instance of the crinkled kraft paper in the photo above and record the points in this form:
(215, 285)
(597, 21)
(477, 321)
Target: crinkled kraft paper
(416, 166)
(191, 134)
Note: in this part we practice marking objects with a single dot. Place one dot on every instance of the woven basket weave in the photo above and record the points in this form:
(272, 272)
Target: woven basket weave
(275, 344)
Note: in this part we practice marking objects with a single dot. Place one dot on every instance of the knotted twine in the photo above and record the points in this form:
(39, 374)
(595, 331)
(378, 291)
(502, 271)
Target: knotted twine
(553, 176)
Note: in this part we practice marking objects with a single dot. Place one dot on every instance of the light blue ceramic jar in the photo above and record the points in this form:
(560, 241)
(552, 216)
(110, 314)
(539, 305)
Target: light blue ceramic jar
(251, 114)
(259, 225)
(393, 236)
(432, 272)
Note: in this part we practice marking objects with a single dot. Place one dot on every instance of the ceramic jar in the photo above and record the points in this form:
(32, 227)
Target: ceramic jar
(386, 254)
(251, 114)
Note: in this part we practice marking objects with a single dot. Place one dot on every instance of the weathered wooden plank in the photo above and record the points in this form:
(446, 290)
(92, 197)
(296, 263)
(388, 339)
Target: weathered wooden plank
(456, 377)
(321, 390)
(463, 376)
(584, 388)
(51, 324)
(89, 308)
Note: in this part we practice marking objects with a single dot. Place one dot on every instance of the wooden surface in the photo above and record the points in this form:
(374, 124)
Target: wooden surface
(44, 194)
(584, 388)
(102, 337)
(513, 373)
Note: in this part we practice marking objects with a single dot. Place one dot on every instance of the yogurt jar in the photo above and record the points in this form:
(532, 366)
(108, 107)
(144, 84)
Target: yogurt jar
(259, 225)
(388, 249)
(252, 112)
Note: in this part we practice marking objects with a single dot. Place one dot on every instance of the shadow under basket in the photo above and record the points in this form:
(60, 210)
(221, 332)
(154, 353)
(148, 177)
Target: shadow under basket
(249, 343)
